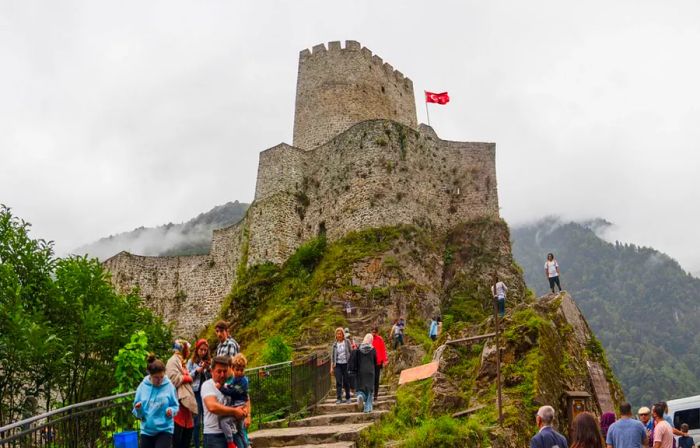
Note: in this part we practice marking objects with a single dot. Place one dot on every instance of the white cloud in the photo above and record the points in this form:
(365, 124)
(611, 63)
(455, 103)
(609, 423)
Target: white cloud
(121, 114)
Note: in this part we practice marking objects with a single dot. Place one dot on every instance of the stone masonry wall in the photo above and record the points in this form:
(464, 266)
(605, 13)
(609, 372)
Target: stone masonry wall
(338, 87)
(186, 291)
(377, 173)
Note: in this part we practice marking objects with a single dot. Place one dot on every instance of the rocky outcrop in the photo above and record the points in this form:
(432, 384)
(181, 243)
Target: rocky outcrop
(548, 355)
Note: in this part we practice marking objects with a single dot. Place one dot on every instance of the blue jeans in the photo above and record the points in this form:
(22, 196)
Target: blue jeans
(367, 398)
(342, 381)
(214, 441)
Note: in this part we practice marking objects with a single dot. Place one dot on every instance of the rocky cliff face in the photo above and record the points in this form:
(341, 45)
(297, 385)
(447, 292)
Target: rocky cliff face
(548, 356)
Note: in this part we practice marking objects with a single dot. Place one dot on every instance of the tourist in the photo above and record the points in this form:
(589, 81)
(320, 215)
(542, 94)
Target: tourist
(227, 345)
(667, 417)
(176, 371)
(433, 329)
(340, 356)
(365, 365)
(380, 348)
(198, 366)
(397, 334)
(551, 271)
(685, 441)
(547, 437)
(585, 432)
(156, 404)
(607, 419)
(348, 308)
(626, 432)
(663, 432)
(236, 390)
(499, 294)
(214, 406)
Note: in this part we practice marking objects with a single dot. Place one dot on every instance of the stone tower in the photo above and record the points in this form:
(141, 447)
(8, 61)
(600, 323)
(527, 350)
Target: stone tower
(339, 87)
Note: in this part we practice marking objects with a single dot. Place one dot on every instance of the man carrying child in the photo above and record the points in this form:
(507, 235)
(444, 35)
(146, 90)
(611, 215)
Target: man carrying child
(236, 390)
(214, 405)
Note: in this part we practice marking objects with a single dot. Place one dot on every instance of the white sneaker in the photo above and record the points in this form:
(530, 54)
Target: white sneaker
(360, 402)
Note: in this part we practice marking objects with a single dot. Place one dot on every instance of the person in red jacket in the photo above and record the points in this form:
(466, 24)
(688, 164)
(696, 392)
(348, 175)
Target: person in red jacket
(380, 348)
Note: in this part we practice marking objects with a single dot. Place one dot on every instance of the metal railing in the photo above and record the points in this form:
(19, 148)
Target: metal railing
(90, 424)
(276, 391)
(288, 388)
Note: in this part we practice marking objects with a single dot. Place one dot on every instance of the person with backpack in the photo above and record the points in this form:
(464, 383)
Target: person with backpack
(364, 361)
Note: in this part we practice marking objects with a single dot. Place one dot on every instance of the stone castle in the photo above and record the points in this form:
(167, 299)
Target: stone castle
(359, 160)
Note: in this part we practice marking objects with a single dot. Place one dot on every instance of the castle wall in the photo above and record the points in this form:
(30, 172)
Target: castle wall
(186, 291)
(280, 169)
(338, 87)
(378, 173)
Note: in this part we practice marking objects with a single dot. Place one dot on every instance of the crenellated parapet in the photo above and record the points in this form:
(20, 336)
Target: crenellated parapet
(338, 87)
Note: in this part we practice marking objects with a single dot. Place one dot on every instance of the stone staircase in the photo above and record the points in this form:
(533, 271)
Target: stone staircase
(332, 425)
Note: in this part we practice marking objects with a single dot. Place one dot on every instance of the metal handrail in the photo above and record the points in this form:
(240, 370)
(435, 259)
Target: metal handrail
(307, 372)
(62, 410)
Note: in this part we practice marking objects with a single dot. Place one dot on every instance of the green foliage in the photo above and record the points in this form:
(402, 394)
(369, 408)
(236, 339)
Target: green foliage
(276, 351)
(412, 423)
(62, 323)
(130, 363)
(638, 301)
(268, 299)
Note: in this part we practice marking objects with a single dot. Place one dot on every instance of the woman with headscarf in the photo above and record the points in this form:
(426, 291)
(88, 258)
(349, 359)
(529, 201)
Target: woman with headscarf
(607, 419)
(365, 360)
(176, 371)
(198, 368)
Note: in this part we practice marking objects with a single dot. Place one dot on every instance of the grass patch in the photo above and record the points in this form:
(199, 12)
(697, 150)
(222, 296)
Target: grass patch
(411, 423)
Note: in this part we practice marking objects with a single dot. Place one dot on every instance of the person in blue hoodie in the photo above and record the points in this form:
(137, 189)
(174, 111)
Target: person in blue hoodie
(155, 404)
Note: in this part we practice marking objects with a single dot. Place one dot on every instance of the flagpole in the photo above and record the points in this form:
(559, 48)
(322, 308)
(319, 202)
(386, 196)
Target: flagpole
(426, 106)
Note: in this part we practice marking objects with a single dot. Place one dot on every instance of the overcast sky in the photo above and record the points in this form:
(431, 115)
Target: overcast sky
(115, 115)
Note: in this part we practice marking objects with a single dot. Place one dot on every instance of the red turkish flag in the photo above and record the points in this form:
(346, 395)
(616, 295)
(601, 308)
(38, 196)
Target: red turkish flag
(440, 98)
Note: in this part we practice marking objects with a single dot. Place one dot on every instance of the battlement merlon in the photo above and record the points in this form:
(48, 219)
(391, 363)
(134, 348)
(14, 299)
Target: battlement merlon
(338, 87)
(351, 45)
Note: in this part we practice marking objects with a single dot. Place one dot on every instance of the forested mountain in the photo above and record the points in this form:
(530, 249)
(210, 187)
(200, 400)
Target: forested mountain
(189, 238)
(640, 303)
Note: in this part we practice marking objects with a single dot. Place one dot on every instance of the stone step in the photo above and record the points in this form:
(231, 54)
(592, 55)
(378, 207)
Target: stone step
(338, 419)
(309, 435)
(331, 400)
(325, 445)
(344, 408)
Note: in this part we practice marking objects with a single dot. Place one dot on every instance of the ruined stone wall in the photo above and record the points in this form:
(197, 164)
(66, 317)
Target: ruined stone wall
(338, 87)
(377, 173)
(186, 291)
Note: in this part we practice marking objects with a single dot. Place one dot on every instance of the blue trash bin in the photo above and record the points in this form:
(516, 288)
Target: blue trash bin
(127, 439)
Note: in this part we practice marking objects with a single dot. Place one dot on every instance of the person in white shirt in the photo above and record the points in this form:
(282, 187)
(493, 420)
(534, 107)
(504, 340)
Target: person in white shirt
(213, 405)
(499, 293)
(551, 271)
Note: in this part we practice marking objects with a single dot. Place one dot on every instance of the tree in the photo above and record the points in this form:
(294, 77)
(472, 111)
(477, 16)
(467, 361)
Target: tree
(61, 325)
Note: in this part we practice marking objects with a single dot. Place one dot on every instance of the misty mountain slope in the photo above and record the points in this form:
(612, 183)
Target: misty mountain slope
(190, 238)
(641, 304)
